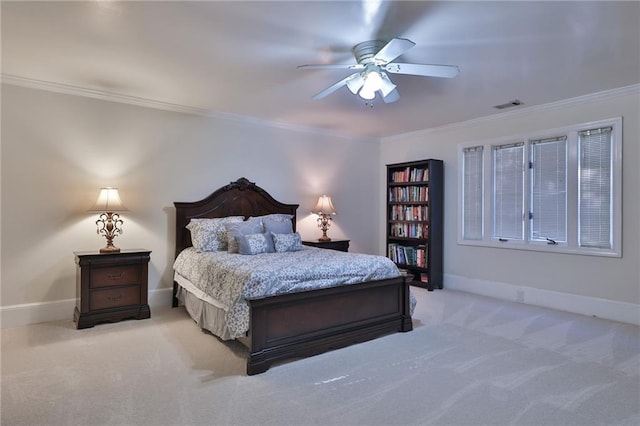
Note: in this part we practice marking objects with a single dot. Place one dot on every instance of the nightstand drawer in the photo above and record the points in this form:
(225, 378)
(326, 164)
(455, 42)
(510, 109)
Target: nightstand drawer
(111, 298)
(116, 275)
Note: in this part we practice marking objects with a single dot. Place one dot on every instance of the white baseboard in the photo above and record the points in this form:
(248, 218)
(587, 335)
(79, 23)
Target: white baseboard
(160, 298)
(33, 313)
(591, 306)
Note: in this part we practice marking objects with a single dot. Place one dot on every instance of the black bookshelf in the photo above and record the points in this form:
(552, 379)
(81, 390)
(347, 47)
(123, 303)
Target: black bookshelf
(415, 197)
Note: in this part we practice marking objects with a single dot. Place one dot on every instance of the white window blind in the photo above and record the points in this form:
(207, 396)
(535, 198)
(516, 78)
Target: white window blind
(548, 199)
(595, 195)
(556, 190)
(472, 194)
(508, 191)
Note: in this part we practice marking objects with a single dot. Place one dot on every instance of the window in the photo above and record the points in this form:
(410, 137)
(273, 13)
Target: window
(557, 191)
(595, 187)
(508, 191)
(473, 194)
(548, 167)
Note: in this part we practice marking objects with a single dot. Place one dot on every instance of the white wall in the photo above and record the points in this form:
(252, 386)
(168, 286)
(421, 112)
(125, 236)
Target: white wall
(59, 149)
(544, 278)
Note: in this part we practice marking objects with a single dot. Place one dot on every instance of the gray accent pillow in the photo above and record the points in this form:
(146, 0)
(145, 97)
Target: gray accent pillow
(276, 217)
(254, 244)
(282, 217)
(210, 234)
(277, 226)
(287, 242)
(250, 226)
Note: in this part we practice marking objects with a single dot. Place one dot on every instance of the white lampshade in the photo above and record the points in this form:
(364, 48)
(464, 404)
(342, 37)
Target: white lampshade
(386, 86)
(324, 206)
(355, 83)
(372, 83)
(367, 94)
(108, 201)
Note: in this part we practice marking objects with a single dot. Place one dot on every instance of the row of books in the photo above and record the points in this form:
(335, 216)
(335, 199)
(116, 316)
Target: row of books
(408, 193)
(409, 213)
(410, 174)
(408, 255)
(409, 230)
(422, 276)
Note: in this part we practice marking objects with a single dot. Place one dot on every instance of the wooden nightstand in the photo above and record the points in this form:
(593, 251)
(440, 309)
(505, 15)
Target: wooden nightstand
(111, 286)
(340, 245)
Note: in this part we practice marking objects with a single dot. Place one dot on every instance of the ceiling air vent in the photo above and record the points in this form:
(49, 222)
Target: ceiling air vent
(509, 104)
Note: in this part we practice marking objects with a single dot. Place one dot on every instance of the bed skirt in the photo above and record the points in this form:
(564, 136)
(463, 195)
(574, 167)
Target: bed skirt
(208, 316)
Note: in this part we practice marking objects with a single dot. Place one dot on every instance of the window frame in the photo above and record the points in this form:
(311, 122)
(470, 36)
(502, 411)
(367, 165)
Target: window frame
(533, 143)
(571, 245)
(521, 179)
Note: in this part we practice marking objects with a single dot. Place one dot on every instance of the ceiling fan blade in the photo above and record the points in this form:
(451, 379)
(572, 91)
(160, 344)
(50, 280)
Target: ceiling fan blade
(447, 71)
(329, 90)
(333, 66)
(392, 50)
(391, 97)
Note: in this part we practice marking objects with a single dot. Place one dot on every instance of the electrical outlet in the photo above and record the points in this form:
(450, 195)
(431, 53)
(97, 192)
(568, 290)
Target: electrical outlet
(520, 296)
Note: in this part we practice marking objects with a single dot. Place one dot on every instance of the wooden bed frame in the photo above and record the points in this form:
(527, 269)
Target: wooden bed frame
(305, 323)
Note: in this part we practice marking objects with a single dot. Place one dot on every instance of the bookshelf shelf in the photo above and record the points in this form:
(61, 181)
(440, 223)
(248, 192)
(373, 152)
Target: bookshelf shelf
(415, 219)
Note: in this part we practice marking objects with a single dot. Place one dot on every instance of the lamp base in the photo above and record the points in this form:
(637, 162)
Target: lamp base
(324, 221)
(110, 249)
(109, 225)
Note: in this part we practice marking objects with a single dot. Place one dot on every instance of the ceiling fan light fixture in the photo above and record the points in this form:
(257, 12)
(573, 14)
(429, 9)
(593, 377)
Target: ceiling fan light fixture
(387, 85)
(367, 94)
(372, 83)
(354, 84)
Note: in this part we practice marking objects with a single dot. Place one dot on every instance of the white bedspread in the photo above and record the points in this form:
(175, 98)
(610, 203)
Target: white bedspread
(232, 278)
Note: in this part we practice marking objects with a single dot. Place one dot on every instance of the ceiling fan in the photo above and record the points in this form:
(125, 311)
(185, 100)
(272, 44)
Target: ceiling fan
(373, 58)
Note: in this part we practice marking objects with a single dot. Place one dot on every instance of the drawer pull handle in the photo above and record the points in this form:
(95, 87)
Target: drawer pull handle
(114, 298)
(117, 276)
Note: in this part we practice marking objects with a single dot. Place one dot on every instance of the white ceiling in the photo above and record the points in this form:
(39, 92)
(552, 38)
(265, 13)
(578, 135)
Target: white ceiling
(240, 58)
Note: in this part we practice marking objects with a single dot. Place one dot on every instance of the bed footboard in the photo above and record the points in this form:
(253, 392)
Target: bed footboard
(312, 322)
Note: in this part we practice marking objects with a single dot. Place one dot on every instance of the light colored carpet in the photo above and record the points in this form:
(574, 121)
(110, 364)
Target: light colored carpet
(470, 360)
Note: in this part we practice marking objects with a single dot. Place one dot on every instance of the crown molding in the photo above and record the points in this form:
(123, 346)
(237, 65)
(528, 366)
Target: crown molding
(185, 109)
(68, 89)
(633, 89)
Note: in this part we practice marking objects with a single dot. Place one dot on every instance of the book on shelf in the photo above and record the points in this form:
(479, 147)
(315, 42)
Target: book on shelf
(408, 255)
(410, 230)
(410, 174)
(404, 194)
(409, 212)
(424, 277)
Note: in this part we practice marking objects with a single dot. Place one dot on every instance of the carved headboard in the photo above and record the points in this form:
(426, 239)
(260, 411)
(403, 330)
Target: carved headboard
(239, 198)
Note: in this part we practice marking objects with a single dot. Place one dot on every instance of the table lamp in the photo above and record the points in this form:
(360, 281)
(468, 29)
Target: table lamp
(109, 224)
(324, 209)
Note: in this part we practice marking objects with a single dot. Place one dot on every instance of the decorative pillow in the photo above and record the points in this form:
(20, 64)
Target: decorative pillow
(277, 226)
(281, 217)
(254, 244)
(234, 229)
(287, 242)
(210, 234)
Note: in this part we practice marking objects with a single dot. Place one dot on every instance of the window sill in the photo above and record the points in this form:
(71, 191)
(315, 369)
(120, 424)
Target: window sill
(542, 247)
